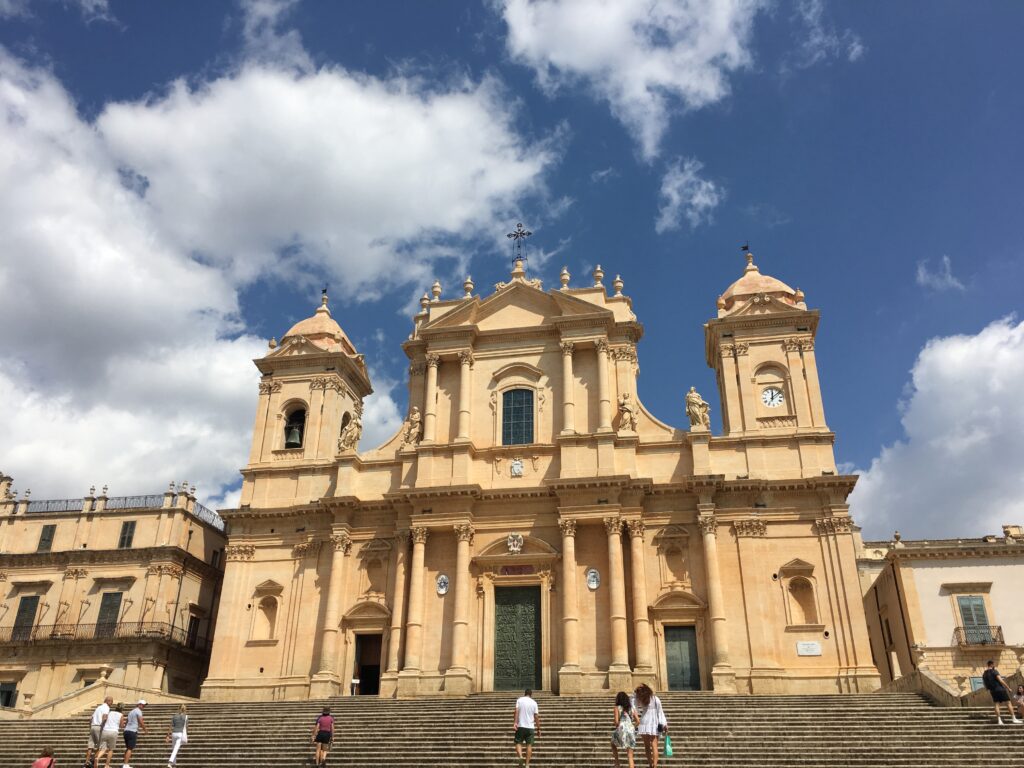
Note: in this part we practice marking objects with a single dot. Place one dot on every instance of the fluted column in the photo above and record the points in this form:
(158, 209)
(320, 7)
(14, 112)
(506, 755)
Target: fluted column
(568, 386)
(397, 602)
(430, 399)
(716, 603)
(414, 623)
(570, 606)
(329, 646)
(641, 624)
(617, 594)
(460, 628)
(465, 395)
(603, 394)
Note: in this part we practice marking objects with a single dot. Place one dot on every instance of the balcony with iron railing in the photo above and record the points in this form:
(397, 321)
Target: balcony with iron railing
(59, 634)
(980, 634)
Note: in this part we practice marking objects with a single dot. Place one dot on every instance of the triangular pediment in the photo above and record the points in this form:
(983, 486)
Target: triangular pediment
(516, 305)
(762, 304)
(296, 345)
(796, 567)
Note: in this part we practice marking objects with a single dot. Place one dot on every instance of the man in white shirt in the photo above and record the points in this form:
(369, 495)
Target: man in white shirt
(99, 717)
(527, 726)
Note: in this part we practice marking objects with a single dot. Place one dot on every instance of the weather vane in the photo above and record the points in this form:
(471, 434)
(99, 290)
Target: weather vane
(517, 236)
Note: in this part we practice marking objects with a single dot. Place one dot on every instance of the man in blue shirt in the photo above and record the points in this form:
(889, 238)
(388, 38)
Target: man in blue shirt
(131, 731)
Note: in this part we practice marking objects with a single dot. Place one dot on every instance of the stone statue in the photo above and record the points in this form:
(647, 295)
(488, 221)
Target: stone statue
(698, 410)
(412, 428)
(350, 434)
(627, 414)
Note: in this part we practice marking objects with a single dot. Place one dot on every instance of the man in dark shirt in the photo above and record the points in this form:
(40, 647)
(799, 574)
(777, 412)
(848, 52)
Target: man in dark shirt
(1000, 693)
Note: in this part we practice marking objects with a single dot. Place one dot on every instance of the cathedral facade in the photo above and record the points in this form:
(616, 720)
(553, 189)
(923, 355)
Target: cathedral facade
(532, 524)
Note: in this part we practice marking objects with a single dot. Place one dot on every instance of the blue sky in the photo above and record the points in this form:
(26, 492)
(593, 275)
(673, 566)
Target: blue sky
(179, 179)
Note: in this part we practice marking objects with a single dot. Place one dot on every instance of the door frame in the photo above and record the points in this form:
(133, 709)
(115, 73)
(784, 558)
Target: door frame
(697, 643)
(485, 607)
(674, 609)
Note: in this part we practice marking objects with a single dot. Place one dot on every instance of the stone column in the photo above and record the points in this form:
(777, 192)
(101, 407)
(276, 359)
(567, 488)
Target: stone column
(618, 673)
(414, 623)
(723, 677)
(568, 385)
(569, 679)
(430, 399)
(603, 393)
(641, 624)
(397, 602)
(458, 679)
(465, 395)
(326, 681)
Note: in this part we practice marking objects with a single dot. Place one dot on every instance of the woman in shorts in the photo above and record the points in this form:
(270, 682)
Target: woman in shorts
(108, 736)
(626, 721)
(323, 732)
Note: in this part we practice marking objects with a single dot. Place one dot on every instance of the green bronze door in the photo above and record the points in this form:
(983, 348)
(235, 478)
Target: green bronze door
(681, 659)
(516, 638)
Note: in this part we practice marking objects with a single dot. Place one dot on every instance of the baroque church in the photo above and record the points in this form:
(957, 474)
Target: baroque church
(532, 524)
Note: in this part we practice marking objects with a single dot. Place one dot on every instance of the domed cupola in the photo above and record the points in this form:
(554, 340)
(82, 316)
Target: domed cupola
(322, 330)
(753, 283)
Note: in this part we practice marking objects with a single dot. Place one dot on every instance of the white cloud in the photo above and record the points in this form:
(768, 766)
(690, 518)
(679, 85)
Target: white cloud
(684, 194)
(941, 279)
(821, 40)
(958, 470)
(646, 59)
(604, 174)
(125, 359)
(91, 10)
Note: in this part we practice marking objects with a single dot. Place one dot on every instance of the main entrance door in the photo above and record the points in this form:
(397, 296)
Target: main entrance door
(368, 664)
(516, 638)
(681, 659)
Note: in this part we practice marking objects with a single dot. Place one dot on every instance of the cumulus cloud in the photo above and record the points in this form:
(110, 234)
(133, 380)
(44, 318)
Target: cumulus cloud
(646, 59)
(685, 195)
(91, 10)
(821, 40)
(941, 279)
(957, 471)
(127, 360)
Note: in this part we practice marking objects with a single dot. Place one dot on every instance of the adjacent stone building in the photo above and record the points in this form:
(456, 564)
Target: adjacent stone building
(948, 605)
(532, 524)
(123, 588)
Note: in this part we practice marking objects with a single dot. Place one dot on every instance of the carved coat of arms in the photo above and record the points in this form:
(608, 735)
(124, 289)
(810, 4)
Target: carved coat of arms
(515, 543)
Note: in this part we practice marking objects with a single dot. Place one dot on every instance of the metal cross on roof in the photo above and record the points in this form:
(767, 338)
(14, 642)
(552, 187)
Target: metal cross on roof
(517, 236)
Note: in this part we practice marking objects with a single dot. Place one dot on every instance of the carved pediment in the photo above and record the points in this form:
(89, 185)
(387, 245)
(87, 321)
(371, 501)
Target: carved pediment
(268, 587)
(297, 345)
(367, 611)
(796, 567)
(519, 370)
(762, 304)
(531, 546)
(676, 599)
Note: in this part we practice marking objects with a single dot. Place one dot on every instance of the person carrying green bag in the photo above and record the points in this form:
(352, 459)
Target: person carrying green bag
(652, 721)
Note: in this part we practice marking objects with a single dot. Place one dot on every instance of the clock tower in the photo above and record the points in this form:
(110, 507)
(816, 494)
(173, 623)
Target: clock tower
(761, 346)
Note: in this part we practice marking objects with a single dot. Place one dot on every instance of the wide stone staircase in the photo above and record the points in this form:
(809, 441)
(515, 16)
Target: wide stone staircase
(823, 731)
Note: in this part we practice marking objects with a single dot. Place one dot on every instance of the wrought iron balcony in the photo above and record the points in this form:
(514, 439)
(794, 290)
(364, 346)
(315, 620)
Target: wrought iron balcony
(981, 634)
(54, 634)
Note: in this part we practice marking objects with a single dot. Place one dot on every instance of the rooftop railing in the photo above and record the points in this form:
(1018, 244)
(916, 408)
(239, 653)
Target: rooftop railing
(50, 634)
(151, 501)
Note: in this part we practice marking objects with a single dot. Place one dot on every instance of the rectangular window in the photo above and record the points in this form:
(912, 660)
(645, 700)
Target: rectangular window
(192, 633)
(25, 619)
(888, 634)
(110, 610)
(8, 694)
(517, 417)
(46, 538)
(215, 558)
(974, 619)
(127, 534)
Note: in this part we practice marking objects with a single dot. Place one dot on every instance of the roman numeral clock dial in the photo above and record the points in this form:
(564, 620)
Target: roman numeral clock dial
(772, 397)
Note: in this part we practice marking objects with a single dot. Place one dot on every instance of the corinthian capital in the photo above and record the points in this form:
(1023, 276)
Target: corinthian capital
(567, 527)
(567, 347)
(342, 542)
(466, 357)
(601, 345)
(419, 534)
(464, 532)
(433, 360)
(612, 525)
(636, 528)
(708, 524)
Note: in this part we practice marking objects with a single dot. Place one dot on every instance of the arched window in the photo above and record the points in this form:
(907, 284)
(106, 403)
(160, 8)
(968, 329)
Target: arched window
(345, 422)
(517, 417)
(266, 619)
(801, 599)
(295, 428)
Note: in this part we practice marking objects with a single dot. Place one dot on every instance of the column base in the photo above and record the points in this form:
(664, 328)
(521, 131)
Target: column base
(620, 677)
(324, 685)
(408, 684)
(723, 679)
(644, 674)
(458, 682)
(570, 681)
(388, 685)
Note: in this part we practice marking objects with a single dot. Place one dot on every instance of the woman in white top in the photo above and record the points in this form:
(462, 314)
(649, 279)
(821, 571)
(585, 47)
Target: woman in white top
(108, 736)
(652, 721)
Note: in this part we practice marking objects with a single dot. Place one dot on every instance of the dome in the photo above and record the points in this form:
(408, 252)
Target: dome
(753, 283)
(322, 330)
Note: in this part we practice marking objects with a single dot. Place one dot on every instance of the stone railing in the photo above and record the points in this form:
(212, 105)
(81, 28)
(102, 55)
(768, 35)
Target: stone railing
(924, 681)
(82, 699)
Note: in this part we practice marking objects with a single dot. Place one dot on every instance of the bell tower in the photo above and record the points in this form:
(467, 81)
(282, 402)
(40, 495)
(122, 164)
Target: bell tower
(761, 346)
(310, 401)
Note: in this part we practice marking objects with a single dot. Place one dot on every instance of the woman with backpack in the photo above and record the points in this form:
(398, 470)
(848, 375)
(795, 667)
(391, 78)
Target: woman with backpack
(626, 721)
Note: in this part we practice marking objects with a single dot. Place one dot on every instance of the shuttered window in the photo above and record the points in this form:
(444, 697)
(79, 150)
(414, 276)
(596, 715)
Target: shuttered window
(974, 618)
(46, 538)
(124, 541)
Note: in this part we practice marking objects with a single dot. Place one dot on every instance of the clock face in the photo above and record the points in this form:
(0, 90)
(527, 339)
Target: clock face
(772, 397)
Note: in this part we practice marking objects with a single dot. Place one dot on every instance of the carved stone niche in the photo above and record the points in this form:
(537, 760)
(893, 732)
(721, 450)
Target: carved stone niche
(673, 543)
(374, 561)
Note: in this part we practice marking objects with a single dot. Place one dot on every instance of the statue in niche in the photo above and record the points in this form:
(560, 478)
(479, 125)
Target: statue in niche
(627, 414)
(350, 434)
(698, 411)
(412, 428)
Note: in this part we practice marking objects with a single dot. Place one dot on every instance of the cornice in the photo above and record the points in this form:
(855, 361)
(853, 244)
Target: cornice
(80, 557)
(998, 549)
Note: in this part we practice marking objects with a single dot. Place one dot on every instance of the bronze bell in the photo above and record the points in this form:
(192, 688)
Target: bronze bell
(292, 436)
